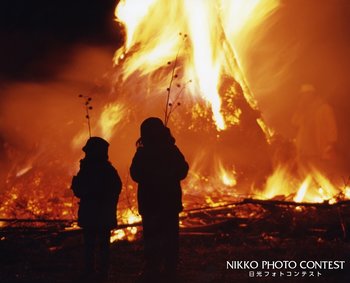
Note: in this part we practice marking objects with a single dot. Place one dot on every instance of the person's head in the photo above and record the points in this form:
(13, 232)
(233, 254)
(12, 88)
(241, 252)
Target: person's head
(153, 132)
(97, 148)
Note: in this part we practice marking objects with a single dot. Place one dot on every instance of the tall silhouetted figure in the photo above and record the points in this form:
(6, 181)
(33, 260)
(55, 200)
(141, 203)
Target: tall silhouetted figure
(158, 167)
(98, 186)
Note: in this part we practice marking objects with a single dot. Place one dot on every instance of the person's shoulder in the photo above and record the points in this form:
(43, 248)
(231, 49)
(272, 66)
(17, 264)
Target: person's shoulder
(140, 151)
(175, 148)
(110, 169)
(110, 166)
(84, 164)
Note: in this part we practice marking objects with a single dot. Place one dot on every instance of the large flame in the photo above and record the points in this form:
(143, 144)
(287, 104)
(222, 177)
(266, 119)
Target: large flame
(311, 186)
(193, 49)
(199, 40)
(212, 28)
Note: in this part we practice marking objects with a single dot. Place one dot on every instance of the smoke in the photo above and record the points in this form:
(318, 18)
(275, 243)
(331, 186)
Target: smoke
(38, 36)
(303, 43)
(39, 120)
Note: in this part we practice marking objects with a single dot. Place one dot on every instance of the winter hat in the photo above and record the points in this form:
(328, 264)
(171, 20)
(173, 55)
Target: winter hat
(152, 130)
(96, 146)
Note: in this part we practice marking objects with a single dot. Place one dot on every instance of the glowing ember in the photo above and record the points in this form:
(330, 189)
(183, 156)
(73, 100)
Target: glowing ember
(129, 233)
(130, 217)
(117, 235)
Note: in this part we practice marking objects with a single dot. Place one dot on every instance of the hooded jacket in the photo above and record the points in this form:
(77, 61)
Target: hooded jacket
(158, 167)
(98, 186)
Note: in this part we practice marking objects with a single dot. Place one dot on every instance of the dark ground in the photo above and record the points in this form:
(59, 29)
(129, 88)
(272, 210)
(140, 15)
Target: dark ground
(56, 257)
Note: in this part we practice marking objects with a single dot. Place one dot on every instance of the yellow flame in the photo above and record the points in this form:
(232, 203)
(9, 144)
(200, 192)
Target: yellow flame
(315, 187)
(228, 177)
(269, 133)
(117, 235)
(205, 64)
(129, 233)
(129, 217)
(132, 12)
(278, 183)
(132, 218)
(302, 190)
(210, 201)
(213, 28)
(110, 117)
(227, 180)
(347, 192)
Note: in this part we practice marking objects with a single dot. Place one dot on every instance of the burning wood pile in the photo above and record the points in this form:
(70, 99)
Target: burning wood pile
(243, 173)
(261, 222)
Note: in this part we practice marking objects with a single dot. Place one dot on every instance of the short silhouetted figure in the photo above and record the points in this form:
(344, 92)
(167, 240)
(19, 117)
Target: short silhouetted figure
(158, 167)
(98, 186)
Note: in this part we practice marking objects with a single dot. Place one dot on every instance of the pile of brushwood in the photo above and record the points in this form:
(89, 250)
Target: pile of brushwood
(248, 231)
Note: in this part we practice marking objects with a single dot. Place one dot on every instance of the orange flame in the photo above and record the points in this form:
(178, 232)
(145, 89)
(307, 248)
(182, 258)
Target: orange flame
(211, 51)
(207, 54)
(129, 233)
(315, 187)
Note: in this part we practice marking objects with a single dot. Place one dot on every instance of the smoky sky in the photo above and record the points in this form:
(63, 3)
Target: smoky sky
(37, 36)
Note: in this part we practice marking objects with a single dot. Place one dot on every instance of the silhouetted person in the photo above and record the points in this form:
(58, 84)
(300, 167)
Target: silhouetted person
(98, 186)
(158, 167)
(317, 131)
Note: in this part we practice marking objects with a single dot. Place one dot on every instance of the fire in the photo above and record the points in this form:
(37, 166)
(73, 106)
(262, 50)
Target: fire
(132, 12)
(112, 114)
(201, 41)
(197, 45)
(204, 62)
(130, 217)
(347, 192)
(314, 188)
(129, 233)
(228, 177)
(302, 190)
(204, 57)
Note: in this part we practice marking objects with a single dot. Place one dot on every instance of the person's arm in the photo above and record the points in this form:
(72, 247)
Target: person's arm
(79, 185)
(117, 183)
(180, 164)
(136, 167)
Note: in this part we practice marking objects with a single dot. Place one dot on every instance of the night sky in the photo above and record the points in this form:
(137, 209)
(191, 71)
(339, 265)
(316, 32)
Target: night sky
(37, 36)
